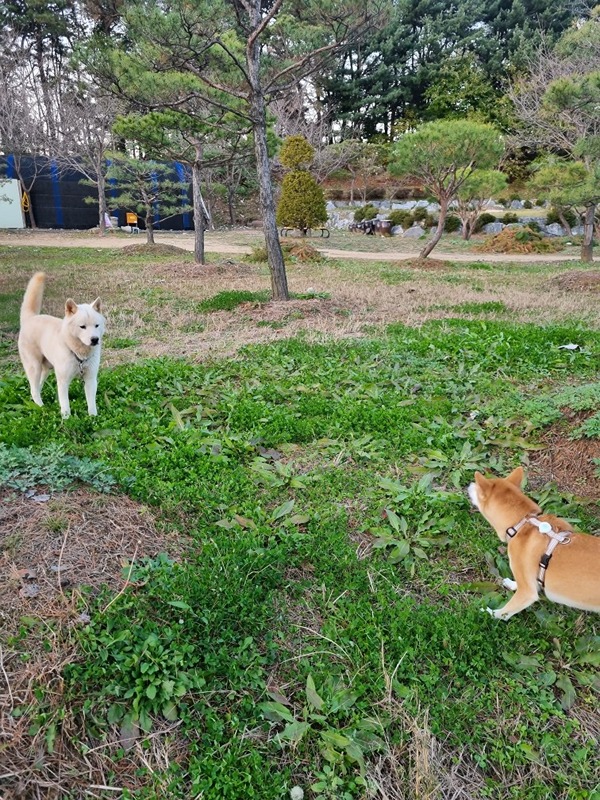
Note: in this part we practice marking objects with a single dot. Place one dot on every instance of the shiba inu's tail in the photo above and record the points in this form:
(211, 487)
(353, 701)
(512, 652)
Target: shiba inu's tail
(34, 294)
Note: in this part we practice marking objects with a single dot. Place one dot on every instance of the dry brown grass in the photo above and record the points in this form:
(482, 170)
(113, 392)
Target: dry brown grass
(49, 550)
(362, 301)
(570, 463)
(152, 303)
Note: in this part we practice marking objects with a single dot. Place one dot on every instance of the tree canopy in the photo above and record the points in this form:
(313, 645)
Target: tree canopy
(442, 156)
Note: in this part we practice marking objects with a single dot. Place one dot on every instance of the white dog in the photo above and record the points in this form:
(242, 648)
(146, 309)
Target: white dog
(71, 345)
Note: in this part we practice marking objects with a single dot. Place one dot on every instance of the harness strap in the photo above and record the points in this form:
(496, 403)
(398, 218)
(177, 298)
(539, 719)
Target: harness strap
(556, 538)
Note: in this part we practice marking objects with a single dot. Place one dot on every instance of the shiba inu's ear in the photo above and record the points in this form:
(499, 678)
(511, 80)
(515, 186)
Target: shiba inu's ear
(483, 484)
(96, 305)
(70, 308)
(516, 477)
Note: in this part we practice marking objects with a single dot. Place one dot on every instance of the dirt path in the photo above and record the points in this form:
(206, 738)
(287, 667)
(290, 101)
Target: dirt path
(47, 238)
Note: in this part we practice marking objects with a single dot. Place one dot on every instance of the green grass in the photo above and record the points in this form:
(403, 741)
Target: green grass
(487, 307)
(287, 659)
(227, 301)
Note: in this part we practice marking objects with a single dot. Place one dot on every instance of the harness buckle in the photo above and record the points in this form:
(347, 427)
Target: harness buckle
(510, 532)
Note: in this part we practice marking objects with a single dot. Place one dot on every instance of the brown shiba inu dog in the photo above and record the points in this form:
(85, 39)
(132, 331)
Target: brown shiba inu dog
(71, 345)
(543, 550)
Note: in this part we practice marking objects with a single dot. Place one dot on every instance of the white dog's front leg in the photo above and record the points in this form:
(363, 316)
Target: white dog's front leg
(62, 382)
(90, 383)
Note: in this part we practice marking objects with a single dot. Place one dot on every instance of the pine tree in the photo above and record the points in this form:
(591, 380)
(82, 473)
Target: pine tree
(302, 202)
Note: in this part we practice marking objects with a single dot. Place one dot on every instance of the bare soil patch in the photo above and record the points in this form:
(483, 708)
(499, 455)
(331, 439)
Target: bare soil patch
(426, 263)
(49, 551)
(203, 272)
(565, 461)
(578, 281)
(274, 311)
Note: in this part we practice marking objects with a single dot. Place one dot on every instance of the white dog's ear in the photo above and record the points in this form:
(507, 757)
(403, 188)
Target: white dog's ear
(516, 477)
(96, 305)
(70, 308)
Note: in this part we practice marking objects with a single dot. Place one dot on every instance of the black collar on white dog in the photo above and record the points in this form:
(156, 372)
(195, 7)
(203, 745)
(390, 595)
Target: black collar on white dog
(80, 361)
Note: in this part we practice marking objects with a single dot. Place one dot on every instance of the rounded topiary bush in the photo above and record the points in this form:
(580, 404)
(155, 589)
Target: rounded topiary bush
(420, 213)
(296, 153)
(452, 224)
(365, 212)
(484, 219)
(302, 202)
(509, 218)
(401, 217)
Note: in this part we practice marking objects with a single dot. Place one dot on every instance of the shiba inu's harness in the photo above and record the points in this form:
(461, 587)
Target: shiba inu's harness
(556, 538)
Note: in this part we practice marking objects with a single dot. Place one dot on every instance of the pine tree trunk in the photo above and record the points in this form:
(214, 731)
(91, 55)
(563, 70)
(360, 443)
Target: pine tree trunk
(198, 210)
(149, 229)
(561, 215)
(438, 231)
(230, 207)
(102, 207)
(587, 248)
(279, 287)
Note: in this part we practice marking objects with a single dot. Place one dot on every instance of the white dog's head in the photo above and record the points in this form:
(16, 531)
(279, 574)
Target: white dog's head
(85, 322)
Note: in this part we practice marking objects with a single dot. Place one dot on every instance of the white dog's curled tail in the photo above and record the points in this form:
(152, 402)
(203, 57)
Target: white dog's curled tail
(34, 294)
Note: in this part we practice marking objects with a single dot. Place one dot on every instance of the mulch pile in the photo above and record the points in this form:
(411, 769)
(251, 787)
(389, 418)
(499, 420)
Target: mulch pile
(567, 462)
(288, 310)
(50, 547)
(425, 263)
(519, 240)
(578, 281)
(152, 249)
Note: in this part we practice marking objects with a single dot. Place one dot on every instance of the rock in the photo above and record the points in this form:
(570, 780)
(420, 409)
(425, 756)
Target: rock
(554, 229)
(397, 230)
(414, 233)
(578, 230)
(405, 205)
(516, 204)
(329, 205)
(493, 227)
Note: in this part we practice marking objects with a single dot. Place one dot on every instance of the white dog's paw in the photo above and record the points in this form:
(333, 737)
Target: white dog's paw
(509, 584)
